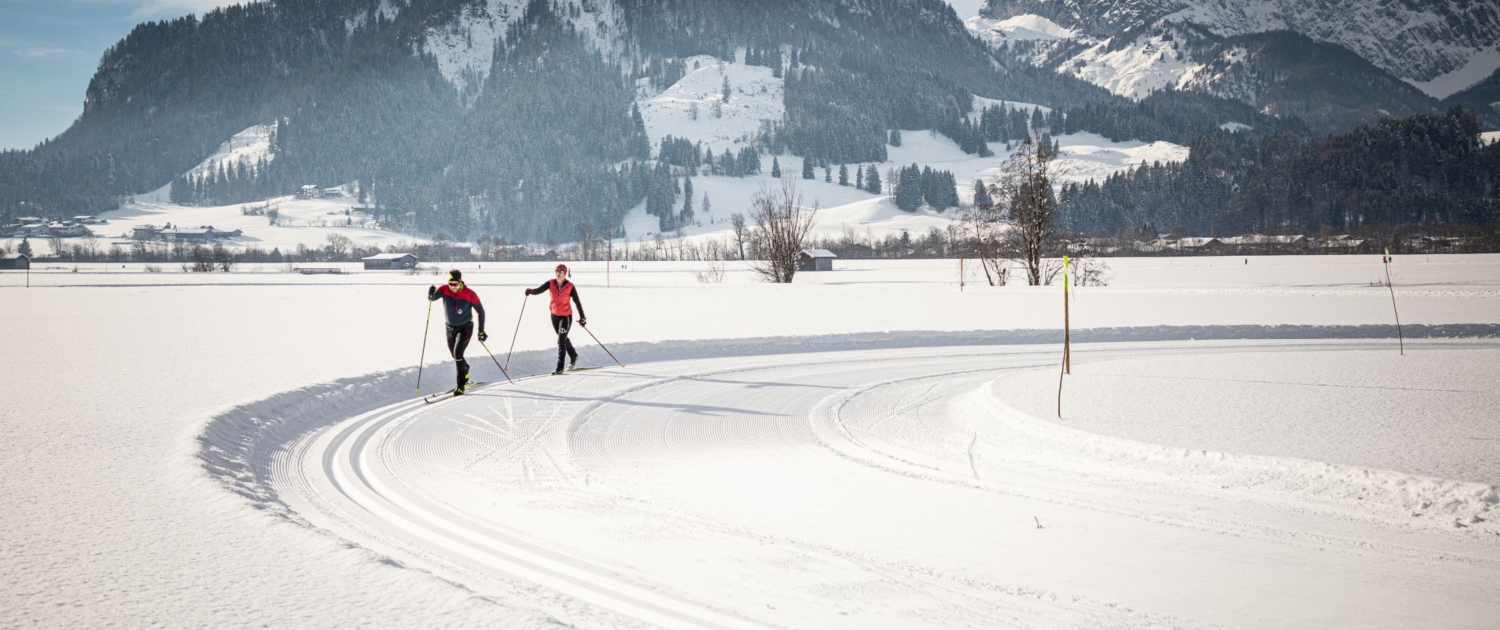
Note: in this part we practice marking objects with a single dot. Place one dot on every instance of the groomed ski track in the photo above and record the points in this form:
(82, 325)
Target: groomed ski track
(859, 489)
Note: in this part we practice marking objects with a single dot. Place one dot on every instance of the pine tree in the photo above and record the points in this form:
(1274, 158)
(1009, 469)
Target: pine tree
(827, 174)
(859, 177)
(686, 215)
(872, 181)
(725, 89)
(25, 248)
(843, 175)
(981, 195)
(807, 168)
(708, 208)
(775, 168)
(895, 139)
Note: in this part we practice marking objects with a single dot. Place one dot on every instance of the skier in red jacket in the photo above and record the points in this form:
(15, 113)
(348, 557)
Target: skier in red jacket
(563, 292)
(459, 302)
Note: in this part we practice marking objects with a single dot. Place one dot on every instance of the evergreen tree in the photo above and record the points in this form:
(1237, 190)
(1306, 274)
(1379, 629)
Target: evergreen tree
(25, 248)
(872, 180)
(686, 215)
(981, 195)
(708, 208)
(827, 174)
(895, 139)
(724, 91)
(843, 175)
(859, 177)
(775, 168)
(807, 168)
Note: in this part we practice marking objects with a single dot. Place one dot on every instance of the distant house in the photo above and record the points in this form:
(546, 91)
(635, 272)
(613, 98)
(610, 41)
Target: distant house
(88, 219)
(201, 234)
(815, 260)
(15, 261)
(1198, 244)
(310, 191)
(145, 232)
(67, 229)
(390, 261)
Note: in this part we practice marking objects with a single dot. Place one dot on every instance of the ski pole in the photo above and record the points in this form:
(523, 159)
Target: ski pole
(426, 326)
(497, 362)
(514, 334)
(601, 344)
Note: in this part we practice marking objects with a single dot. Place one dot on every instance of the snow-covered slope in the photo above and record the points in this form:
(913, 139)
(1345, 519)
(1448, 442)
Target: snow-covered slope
(1083, 156)
(686, 109)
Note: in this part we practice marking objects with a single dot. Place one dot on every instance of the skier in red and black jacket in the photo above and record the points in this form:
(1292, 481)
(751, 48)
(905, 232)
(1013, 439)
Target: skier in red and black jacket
(562, 314)
(459, 302)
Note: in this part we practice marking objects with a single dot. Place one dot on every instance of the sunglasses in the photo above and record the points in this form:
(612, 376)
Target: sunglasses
(453, 283)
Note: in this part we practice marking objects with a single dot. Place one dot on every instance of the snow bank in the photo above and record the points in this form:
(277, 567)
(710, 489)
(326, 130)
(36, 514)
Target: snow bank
(1394, 497)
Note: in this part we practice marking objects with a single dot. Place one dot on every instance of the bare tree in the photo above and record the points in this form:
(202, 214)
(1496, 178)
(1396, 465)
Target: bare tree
(1030, 208)
(782, 224)
(224, 259)
(588, 241)
(339, 246)
(738, 221)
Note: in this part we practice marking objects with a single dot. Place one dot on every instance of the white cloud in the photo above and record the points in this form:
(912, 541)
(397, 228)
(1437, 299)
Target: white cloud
(35, 50)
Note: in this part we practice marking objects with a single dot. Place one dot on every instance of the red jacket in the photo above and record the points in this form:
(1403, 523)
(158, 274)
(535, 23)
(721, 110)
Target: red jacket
(458, 305)
(561, 294)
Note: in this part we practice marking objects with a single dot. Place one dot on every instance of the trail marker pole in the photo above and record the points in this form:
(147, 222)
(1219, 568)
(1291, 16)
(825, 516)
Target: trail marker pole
(1386, 260)
(960, 273)
(426, 326)
(1067, 340)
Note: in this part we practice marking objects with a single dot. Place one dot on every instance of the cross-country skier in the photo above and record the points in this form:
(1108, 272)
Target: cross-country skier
(562, 314)
(458, 301)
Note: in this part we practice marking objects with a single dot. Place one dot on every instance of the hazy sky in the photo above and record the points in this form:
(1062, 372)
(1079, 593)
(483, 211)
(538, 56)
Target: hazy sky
(49, 49)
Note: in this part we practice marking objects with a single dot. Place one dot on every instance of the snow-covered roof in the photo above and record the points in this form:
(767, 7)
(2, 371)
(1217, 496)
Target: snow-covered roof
(14, 257)
(819, 253)
(388, 256)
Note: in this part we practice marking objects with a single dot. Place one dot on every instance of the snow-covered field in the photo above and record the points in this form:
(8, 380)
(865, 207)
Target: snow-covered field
(1240, 446)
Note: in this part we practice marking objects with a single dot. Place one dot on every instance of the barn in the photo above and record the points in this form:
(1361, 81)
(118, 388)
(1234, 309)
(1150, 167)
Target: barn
(390, 261)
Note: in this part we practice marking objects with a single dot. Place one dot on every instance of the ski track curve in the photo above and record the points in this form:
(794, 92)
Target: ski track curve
(857, 489)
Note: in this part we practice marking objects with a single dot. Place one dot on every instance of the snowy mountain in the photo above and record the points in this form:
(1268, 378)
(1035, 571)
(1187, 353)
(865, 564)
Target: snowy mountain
(1438, 45)
(1392, 54)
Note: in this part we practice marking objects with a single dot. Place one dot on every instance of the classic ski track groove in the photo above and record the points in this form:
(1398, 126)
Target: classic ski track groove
(350, 479)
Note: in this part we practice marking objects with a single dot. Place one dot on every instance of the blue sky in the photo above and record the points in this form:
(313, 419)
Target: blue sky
(49, 49)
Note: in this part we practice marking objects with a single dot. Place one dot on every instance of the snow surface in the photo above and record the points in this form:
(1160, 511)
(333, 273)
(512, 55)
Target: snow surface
(465, 48)
(244, 148)
(1489, 137)
(812, 490)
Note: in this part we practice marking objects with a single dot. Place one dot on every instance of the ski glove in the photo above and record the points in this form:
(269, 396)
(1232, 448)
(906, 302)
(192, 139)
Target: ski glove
(528, 292)
(483, 337)
(431, 291)
(583, 322)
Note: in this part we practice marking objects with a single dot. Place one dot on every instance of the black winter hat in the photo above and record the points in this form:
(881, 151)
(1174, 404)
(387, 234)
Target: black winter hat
(456, 275)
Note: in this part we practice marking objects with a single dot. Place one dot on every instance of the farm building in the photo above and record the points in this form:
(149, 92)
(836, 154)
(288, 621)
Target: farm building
(815, 260)
(390, 261)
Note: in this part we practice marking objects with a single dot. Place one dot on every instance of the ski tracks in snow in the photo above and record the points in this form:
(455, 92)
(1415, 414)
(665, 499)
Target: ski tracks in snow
(857, 489)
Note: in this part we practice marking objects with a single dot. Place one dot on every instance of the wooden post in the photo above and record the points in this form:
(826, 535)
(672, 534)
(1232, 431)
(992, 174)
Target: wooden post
(960, 272)
(1067, 340)
(1399, 337)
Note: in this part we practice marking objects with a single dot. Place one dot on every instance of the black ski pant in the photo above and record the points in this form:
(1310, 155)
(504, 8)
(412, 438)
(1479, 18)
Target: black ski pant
(562, 324)
(458, 341)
